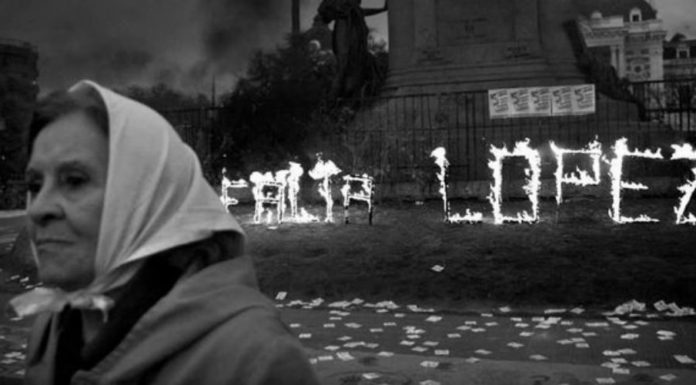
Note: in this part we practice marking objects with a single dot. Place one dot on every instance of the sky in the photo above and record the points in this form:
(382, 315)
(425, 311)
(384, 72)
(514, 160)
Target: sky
(183, 43)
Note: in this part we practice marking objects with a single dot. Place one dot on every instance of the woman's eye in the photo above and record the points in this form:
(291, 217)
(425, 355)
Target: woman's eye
(74, 181)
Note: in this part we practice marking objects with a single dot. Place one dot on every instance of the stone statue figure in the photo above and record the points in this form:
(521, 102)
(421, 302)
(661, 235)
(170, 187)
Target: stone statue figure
(354, 61)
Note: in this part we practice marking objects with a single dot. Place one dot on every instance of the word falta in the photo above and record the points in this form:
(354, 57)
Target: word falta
(270, 189)
(580, 178)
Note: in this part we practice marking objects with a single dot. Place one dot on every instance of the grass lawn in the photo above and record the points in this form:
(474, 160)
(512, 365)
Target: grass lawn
(574, 256)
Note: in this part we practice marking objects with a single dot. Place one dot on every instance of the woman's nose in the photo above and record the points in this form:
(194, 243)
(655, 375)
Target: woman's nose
(43, 206)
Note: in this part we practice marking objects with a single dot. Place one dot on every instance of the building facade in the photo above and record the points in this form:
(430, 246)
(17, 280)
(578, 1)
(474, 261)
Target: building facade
(680, 59)
(625, 33)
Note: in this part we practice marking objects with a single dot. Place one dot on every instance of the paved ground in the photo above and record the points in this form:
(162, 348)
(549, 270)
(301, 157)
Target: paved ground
(383, 343)
(376, 345)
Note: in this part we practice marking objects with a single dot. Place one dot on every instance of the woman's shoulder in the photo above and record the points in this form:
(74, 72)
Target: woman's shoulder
(239, 335)
(255, 347)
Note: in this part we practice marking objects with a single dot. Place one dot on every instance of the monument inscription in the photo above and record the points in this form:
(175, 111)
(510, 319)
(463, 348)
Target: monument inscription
(474, 44)
(465, 30)
(474, 22)
(478, 32)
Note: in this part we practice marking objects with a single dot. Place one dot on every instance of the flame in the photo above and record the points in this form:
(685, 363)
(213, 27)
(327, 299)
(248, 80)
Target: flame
(685, 152)
(441, 161)
(615, 169)
(275, 197)
(469, 217)
(633, 186)
(294, 174)
(323, 171)
(364, 194)
(225, 199)
(579, 177)
(305, 217)
(531, 188)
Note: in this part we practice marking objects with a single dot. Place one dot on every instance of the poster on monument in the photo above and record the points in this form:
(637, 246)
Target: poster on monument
(499, 103)
(540, 101)
(583, 99)
(561, 101)
(520, 102)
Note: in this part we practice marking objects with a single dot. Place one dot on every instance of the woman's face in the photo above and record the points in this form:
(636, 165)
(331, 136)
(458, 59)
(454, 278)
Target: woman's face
(66, 177)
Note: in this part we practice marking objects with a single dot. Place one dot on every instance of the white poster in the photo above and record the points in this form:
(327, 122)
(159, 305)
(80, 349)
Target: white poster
(498, 103)
(561, 101)
(583, 99)
(520, 102)
(540, 99)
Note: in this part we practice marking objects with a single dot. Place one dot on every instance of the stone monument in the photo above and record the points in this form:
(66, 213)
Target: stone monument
(461, 45)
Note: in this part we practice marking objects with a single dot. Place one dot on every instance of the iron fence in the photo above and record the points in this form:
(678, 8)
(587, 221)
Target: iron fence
(672, 102)
(391, 137)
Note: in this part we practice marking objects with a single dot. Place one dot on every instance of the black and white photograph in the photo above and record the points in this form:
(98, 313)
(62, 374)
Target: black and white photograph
(348, 192)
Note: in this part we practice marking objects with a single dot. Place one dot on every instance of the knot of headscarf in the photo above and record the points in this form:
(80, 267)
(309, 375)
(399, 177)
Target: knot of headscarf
(42, 299)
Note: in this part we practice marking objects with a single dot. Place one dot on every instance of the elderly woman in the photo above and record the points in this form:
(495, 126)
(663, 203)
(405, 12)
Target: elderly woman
(146, 278)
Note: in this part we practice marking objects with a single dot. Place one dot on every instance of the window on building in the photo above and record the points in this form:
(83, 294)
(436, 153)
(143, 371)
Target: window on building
(683, 53)
(636, 15)
(692, 51)
(669, 53)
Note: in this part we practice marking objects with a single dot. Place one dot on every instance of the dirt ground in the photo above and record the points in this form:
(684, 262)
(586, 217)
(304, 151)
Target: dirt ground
(575, 255)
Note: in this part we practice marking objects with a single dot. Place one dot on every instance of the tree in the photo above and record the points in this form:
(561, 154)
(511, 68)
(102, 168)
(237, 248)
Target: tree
(17, 98)
(263, 123)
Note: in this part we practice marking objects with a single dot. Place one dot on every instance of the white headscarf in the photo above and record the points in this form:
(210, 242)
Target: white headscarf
(156, 198)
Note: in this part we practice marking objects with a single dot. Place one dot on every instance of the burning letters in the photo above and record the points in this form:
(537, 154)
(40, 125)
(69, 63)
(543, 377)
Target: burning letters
(441, 161)
(579, 177)
(364, 194)
(270, 189)
(228, 184)
(323, 171)
(531, 188)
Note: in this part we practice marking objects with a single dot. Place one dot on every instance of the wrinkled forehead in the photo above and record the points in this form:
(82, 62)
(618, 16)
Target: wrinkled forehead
(71, 139)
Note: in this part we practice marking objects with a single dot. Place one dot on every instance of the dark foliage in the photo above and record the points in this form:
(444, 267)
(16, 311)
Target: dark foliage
(17, 98)
(279, 111)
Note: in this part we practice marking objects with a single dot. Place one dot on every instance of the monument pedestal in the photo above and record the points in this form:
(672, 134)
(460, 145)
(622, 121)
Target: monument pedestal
(464, 45)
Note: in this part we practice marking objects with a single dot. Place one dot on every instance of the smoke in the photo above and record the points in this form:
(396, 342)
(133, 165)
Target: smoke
(678, 16)
(183, 43)
(244, 25)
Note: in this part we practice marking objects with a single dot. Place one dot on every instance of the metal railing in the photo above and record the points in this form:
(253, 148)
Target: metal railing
(671, 102)
(391, 137)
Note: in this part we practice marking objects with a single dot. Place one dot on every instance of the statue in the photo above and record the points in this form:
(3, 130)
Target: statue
(354, 62)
